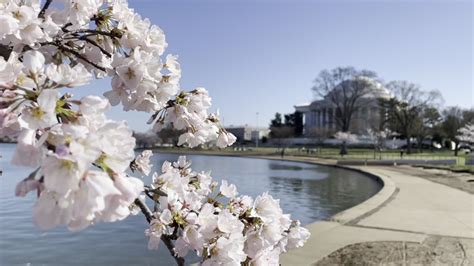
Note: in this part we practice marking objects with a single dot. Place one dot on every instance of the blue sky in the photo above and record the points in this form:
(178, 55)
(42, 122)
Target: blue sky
(262, 56)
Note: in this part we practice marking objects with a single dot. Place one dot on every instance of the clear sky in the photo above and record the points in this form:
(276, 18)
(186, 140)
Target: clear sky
(262, 56)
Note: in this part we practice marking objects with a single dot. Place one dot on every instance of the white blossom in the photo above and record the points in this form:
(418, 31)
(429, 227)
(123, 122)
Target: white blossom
(43, 113)
(346, 137)
(33, 62)
(297, 237)
(67, 76)
(142, 162)
(81, 157)
(225, 139)
(466, 133)
(28, 151)
(228, 190)
(267, 208)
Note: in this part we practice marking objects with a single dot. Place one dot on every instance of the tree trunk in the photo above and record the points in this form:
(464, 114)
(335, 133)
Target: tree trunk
(343, 150)
(420, 145)
(408, 145)
(456, 144)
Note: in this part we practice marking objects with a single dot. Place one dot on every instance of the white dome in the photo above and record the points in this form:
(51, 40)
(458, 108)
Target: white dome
(378, 90)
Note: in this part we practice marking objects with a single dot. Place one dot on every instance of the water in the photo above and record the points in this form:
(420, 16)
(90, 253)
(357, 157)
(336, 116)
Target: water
(308, 192)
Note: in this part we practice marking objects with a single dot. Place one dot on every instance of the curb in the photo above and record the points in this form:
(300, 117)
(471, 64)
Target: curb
(372, 204)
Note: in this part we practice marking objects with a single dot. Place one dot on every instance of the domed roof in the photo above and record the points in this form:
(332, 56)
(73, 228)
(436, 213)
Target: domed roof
(377, 89)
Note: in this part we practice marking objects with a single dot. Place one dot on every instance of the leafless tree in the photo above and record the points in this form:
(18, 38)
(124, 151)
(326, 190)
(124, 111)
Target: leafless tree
(170, 136)
(146, 139)
(320, 134)
(403, 110)
(344, 88)
(280, 134)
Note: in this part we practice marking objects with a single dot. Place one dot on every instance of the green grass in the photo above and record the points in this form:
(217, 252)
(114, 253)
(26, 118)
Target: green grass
(333, 153)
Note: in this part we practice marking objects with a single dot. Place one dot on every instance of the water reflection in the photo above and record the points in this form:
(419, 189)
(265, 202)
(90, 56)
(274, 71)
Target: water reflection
(320, 198)
(308, 192)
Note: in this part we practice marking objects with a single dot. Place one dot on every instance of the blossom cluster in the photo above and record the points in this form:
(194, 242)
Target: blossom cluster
(80, 165)
(379, 137)
(221, 226)
(466, 133)
(81, 159)
(67, 47)
(346, 137)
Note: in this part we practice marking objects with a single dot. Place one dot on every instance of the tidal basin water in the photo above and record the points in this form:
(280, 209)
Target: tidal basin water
(309, 192)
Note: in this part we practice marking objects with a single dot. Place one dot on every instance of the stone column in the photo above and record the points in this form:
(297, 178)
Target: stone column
(331, 118)
(320, 118)
(370, 118)
(325, 119)
(313, 118)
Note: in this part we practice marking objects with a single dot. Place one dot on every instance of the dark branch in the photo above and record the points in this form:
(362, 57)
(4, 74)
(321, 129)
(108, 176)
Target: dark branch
(98, 46)
(99, 32)
(168, 243)
(78, 55)
(170, 246)
(43, 10)
(145, 210)
(5, 51)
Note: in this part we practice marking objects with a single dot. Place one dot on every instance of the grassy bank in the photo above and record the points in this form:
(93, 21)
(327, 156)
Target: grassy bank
(326, 153)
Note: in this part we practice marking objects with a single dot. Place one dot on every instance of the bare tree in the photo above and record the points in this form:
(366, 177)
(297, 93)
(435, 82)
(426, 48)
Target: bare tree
(403, 110)
(320, 134)
(344, 88)
(280, 134)
(146, 139)
(170, 135)
(426, 124)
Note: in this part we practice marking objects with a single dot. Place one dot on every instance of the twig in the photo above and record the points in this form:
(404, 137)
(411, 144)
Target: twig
(168, 243)
(463, 253)
(78, 55)
(43, 10)
(64, 28)
(145, 210)
(99, 32)
(98, 46)
(404, 253)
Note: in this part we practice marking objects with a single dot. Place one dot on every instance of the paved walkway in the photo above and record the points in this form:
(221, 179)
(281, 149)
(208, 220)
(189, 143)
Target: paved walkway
(408, 209)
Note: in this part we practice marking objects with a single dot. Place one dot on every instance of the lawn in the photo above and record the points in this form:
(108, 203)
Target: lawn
(333, 153)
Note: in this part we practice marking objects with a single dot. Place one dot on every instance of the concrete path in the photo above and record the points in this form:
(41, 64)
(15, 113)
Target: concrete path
(425, 207)
(408, 209)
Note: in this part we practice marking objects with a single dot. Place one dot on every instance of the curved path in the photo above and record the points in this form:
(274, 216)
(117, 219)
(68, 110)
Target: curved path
(408, 209)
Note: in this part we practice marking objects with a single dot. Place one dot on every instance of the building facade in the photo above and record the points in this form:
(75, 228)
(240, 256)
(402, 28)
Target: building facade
(319, 116)
(248, 134)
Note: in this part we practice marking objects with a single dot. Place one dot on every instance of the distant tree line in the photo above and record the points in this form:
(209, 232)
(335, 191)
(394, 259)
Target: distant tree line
(411, 112)
(290, 126)
(150, 138)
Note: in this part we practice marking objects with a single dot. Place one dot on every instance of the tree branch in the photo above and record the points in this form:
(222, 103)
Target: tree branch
(168, 243)
(99, 32)
(98, 46)
(78, 55)
(43, 10)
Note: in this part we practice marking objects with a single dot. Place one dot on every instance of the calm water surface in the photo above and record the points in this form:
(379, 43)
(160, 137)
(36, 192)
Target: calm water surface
(308, 192)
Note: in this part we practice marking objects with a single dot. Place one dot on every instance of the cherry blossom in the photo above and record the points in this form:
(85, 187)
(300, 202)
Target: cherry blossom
(346, 137)
(220, 232)
(80, 159)
(142, 162)
(466, 133)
